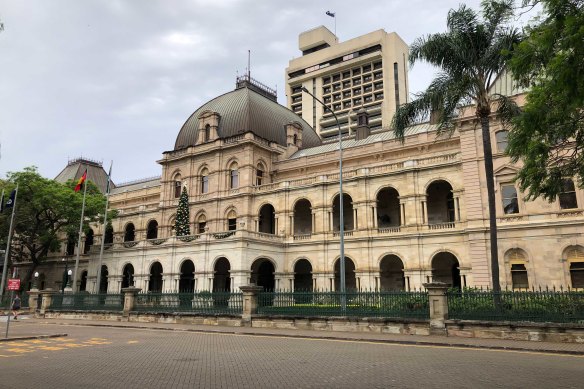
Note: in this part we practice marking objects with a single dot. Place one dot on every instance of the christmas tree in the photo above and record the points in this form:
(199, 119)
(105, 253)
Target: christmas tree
(181, 226)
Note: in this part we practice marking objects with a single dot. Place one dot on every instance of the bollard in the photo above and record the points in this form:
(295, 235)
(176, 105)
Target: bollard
(250, 302)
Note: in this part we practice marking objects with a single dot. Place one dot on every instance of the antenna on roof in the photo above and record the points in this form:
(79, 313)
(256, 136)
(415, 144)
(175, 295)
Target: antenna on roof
(249, 63)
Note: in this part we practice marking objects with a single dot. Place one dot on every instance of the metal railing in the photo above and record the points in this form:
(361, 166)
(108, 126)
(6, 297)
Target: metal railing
(87, 302)
(217, 303)
(522, 306)
(358, 304)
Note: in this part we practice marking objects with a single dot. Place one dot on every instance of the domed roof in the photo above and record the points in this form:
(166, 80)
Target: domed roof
(244, 110)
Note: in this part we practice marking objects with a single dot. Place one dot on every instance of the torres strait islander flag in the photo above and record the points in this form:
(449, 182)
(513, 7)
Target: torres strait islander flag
(81, 181)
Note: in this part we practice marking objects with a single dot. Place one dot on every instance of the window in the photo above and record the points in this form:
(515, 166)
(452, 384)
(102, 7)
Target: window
(177, 189)
(233, 178)
(207, 133)
(231, 221)
(295, 139)
(205, 181)
(509, 195)
(130, 234)
(501, 138)
(568, 195)
(109, 234)
(202, 223)
(577, 274)
(519, 276)
(259, 176)
(152, 230)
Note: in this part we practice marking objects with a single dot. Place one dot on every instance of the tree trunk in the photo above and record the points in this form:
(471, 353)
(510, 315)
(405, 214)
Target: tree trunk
(488, 154)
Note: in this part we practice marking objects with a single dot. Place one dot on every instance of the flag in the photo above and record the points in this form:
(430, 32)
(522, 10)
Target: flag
(331, 14)
(81, 181)
(10, 202)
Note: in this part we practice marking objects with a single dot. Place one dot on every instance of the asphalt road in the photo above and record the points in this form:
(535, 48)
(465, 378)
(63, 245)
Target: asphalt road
(103, 357)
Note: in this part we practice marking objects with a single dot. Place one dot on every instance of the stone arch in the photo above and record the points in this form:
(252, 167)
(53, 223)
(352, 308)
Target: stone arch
(350, 277)
(221, 275)
(152, 229)
(129, 232)
(200, 222)
(127, 275)
(104, 280)
(446, 268)
(231, 219)
(517, 259)
(349, 223)
(108, 235)
(574, 255)
(439, 202)
(88, 241)
(391, 273)
(302, 209)
(303, 275)
(186, 281)
(267, 219)
(155, 280)
(262, 273)
(388, 207)
(83, 281)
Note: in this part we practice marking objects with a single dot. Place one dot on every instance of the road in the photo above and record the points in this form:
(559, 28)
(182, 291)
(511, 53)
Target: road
(104, 357)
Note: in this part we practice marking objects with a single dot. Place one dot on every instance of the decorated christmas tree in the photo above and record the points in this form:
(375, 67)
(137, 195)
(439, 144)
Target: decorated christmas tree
(183, 215)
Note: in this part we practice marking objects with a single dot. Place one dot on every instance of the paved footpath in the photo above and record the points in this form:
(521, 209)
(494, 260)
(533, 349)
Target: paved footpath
(32, 327)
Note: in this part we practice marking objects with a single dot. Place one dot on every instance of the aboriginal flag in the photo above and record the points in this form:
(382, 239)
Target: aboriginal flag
(81, 181)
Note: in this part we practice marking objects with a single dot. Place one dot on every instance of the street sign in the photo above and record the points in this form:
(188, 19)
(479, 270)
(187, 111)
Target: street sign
(14, 284)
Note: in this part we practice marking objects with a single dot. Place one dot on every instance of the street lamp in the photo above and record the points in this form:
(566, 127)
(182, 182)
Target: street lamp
(66, 260)
(35, 280)
(341, 218)
(69, 279)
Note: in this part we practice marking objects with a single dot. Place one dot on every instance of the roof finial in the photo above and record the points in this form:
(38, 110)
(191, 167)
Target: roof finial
(249, 64)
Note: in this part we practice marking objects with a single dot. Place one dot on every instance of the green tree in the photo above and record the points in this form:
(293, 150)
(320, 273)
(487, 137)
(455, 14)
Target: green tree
(470, 55)
(182, 226)
(548, 134)
(47, 214)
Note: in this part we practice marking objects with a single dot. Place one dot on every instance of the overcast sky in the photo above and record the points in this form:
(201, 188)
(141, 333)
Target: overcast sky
(115, 80)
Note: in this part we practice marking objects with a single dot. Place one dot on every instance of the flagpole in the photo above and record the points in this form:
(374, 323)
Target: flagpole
(74, 285)
(107, 190)
(7, 252)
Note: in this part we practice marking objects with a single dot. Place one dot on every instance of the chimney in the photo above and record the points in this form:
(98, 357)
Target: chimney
(362, 130)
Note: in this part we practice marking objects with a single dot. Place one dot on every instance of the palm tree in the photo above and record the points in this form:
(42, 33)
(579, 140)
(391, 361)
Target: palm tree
(470, 55)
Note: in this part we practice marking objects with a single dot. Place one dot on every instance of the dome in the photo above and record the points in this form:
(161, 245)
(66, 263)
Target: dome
(244, 110)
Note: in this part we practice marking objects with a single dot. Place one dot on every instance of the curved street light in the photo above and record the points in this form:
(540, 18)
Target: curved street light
(341, 216)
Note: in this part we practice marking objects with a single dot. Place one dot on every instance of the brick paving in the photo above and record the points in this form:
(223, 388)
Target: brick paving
(103, 356)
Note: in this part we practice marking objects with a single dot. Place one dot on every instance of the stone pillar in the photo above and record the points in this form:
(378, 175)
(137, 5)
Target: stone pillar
(46, 299)
(438, 306)
(33, 299)
(129, 299)
(375, 215)
(250, 302)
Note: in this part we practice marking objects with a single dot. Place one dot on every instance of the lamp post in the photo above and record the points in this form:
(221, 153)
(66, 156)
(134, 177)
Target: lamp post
(69, 272)
(341, 216)
(35, 281)
(66, 260)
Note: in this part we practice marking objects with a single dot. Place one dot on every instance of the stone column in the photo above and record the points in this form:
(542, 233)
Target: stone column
(33, 298)
(375, 215)
(250, 302)
(129, 299)
(438, 306)
(46, 299)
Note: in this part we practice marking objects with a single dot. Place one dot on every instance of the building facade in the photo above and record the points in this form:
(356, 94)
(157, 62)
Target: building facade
(369, 72)
(264, 208)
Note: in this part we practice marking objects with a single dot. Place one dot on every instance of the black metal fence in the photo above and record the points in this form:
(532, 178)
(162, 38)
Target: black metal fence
(522, 306)
(87, 302)
(217, 303)
(353, 303)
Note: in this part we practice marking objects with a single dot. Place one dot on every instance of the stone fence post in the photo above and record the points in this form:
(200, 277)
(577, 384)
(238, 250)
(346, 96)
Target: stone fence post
(438, 306)
(250, 302)
(129, 299)
(46, 299)
(33, 299)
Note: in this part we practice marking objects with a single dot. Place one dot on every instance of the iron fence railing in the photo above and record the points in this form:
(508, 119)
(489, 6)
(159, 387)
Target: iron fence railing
(217, 302)
(533, 306)
(87, 302)
(356, 304)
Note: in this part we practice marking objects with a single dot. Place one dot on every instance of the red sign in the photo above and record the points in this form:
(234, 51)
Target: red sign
(14, 284)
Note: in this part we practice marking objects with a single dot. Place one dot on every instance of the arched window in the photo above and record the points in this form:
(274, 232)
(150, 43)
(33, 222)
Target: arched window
(509, 198)
(502, 142)
(568, 195)
(104, 279)
(267, 219)
(152, 230)
(155, 282)
(109, 234)
(204, 181)
(83, 283)
(295, 139)
(445, 268)
(70, 250)
(260, 174)
(128, 276)
(519, 278)
(207, 133)
(88, 241)
(201, 224)
(186, 281)
(232, 220)
(177, 189)
(348, 218)
(130, 234)
(440, 202)
(388, 208)
(302, 217)
(233, 176)
(575, 257)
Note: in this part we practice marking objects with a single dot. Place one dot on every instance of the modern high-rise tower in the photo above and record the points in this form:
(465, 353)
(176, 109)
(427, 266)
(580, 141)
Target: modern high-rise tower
(369, 71)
